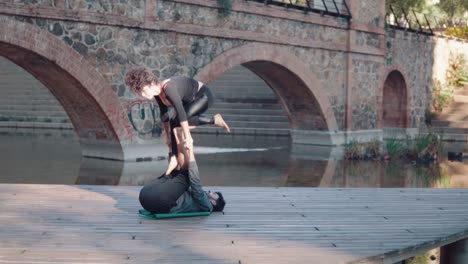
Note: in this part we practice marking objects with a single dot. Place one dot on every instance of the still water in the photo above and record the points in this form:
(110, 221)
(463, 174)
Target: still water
(54, 157)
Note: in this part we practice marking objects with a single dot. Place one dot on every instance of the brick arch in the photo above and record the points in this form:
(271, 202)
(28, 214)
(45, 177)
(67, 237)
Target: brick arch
(300, 92)
(395, 99)
(93, 108)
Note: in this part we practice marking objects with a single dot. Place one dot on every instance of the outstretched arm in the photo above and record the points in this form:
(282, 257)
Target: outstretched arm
(188, 137)
(198, 194)
(162, 111)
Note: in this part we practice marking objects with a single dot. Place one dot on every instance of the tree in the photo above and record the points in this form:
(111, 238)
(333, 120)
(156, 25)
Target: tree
(401, 7)
(454, 8)
(406, 4)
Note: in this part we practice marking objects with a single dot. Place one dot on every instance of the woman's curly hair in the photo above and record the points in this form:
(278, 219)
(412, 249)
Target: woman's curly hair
(139, 77)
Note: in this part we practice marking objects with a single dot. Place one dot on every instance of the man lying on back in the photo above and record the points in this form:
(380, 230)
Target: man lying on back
(182, 190)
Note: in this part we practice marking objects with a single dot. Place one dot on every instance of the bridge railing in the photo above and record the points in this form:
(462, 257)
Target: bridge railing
(337, 8)
(408, 20)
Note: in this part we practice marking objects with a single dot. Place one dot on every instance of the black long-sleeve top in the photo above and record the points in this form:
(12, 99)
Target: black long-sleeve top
(179, 91)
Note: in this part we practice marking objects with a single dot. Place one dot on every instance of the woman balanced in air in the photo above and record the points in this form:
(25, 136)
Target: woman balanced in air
(181, 102)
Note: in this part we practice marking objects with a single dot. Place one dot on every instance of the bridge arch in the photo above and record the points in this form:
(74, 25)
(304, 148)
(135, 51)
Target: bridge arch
(298, 90)
(95, 111)
(394, 106)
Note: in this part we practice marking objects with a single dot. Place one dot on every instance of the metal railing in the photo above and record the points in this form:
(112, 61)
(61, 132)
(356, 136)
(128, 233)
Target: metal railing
(412, 21)
(337, 8)
(408, 20)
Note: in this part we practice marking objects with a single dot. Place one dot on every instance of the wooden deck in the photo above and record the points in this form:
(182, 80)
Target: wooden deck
(100, 224)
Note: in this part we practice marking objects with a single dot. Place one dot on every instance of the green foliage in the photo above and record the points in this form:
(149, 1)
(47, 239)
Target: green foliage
(424, 149)
(428, 117)
(405, 4)
(445, 13)
(352, 150)
(372, 149)
(226, 7)
(436, 17)
(433, 176)
(458, 32)
(454, 8)
(441, 96)
(395, 148)
(443, 182)
(456, 77)
(362, 151)
(463, 79)
(457, 72)
(420, 143)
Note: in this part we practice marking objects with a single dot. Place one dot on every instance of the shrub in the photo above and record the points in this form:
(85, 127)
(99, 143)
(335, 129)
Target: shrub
(457, 72)
(458, 32)
(372, 149)
(441, 96)
(352, 150)
(395, 148)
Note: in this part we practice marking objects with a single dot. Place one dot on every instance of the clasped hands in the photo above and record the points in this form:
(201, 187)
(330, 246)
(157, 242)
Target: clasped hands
(187, 142)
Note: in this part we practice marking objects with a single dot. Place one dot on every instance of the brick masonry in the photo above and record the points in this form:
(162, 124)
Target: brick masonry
(412, 56)
(330, 75)
(82, 90)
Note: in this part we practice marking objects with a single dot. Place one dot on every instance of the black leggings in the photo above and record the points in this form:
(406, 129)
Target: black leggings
(202, 101)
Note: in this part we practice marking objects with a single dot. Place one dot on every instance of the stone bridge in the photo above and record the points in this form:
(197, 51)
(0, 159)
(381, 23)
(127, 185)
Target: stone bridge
(336, 79)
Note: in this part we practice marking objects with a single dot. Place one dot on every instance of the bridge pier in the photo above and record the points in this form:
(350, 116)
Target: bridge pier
(455, 253)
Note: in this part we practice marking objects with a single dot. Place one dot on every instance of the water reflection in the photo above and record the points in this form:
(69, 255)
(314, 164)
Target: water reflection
(47, 156)
(53, 157)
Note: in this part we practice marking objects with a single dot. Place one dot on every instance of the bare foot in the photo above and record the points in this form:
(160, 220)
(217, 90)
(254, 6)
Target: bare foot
(172, 164)
(219, 121)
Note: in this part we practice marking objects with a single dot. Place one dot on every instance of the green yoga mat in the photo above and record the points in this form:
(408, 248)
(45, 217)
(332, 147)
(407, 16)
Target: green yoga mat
(146, 214)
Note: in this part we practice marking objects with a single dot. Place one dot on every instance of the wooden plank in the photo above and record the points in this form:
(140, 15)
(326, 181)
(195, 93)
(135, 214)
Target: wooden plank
(99, 224)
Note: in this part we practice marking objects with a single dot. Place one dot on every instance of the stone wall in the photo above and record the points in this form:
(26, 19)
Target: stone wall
(421, 60)
(368, 12)
(112, 49)
(350, 61)
(364, 91)
(329, 67)
(134, 8)
(210, 17)
(413, 55)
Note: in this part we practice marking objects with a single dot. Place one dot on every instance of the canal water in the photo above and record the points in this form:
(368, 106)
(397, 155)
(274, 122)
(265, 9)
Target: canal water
(54, 157)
